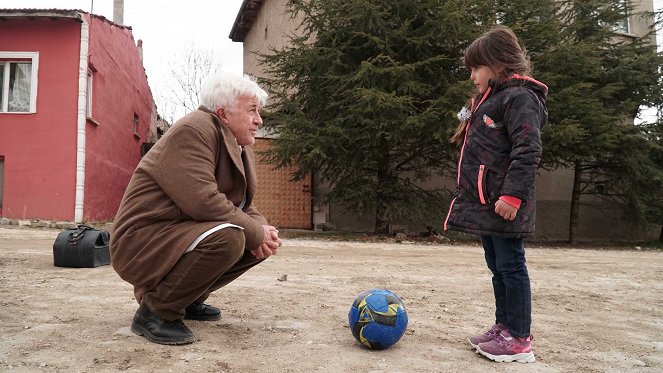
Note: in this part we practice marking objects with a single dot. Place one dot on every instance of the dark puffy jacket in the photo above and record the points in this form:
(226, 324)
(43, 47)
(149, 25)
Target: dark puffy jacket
(500, 156)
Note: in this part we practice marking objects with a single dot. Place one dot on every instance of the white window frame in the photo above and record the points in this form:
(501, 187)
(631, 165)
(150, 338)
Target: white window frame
(19, 57)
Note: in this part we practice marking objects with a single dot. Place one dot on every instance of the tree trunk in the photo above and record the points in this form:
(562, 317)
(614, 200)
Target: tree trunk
(382, 202)
(381, 225)
(381, 221)
(660, 236)
(575, 204)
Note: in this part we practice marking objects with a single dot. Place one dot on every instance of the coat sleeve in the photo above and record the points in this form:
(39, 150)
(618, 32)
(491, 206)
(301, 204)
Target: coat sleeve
(254, 213)
(185, 170)
(523, 120)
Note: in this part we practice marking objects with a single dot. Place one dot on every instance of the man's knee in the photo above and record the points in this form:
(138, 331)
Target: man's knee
(231, 240)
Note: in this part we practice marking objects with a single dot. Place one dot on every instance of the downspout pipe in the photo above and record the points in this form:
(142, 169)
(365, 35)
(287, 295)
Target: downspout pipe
(81, 118)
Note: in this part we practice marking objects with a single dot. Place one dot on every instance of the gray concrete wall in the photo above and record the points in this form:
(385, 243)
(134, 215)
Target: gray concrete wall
(596, 223)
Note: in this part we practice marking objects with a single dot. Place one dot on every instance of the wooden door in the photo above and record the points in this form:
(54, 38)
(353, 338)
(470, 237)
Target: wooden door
(285, 204)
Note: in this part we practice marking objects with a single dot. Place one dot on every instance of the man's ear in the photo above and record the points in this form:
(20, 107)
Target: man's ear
(222, 114)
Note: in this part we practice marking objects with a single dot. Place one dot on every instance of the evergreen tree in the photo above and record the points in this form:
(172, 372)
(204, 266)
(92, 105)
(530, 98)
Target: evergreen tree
(366, 93)
(367, 97)
(598, 81)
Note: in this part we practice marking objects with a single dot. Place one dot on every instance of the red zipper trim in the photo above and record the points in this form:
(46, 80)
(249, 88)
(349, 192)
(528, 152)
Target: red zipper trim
(449, 213)
(480, 184)
(462, 149)
(467, 129)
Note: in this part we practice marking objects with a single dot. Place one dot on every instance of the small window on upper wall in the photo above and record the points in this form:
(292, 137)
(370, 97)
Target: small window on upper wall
(18, 82)
(623, 25)
(136, 126)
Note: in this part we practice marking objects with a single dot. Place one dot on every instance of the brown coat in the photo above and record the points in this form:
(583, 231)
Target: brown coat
(192, 179)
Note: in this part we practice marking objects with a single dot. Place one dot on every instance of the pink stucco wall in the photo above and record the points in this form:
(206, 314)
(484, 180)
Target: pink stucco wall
(39, 149)
(120, 91)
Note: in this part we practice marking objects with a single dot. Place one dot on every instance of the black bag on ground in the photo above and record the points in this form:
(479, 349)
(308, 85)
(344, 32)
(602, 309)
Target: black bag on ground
(85, 247)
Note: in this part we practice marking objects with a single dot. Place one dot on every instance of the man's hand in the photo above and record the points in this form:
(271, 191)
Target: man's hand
(505, 210)
(270, 243)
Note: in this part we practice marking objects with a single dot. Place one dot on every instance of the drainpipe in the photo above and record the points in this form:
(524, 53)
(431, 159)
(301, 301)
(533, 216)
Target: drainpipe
(81, 118)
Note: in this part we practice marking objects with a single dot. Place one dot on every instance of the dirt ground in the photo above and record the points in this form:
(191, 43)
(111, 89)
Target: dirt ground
(593, 311)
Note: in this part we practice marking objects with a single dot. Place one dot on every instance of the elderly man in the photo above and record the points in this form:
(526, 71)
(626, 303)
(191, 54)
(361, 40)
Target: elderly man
(187, 225)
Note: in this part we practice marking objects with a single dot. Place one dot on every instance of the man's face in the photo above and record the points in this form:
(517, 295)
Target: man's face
(243, 120)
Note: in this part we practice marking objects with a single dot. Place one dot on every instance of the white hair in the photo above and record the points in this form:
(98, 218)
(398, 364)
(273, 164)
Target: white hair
(222, 89)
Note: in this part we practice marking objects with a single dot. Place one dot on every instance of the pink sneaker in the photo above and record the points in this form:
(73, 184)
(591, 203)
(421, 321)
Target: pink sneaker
(487, 336)
(505, 348)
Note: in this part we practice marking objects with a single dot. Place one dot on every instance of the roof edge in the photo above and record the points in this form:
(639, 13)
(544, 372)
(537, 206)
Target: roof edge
(61, 13)
(55, 13)
(248, 12)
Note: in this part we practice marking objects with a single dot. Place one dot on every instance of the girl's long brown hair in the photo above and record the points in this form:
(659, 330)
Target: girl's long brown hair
(498, 48)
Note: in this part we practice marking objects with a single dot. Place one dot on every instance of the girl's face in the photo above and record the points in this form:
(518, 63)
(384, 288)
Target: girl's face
(480, 75)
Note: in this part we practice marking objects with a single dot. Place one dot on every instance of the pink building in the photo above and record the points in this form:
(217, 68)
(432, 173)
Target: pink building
(75, 110)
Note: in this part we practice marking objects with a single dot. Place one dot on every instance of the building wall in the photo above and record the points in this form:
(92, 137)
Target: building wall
(39, 149)
(553, 204)
(269, 30)
(640, 25)
(596, 221)
(120, 92)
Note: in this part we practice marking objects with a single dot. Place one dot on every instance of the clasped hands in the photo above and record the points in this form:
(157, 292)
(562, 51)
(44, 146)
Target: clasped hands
(270, 243)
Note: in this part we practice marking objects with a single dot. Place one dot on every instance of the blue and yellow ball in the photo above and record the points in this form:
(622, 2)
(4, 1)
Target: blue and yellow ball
(377, 318)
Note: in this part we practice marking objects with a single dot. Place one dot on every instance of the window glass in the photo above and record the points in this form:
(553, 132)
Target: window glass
(136, 125)
(19, 87)
(622, 25)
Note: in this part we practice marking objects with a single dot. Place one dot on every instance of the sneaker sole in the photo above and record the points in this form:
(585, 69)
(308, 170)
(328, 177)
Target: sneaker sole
(475, 347)
(518, 358)
(142, 332)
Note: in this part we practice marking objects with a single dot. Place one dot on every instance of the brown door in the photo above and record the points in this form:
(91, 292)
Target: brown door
(285, 204)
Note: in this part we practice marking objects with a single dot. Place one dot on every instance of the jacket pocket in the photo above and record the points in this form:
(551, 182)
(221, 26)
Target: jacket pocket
(481, 184)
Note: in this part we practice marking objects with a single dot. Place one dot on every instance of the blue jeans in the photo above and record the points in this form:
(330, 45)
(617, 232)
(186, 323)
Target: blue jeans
(513, 296)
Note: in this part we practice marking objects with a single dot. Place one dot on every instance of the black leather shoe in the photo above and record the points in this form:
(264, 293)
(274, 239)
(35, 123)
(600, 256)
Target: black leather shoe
(202, 312)
(158, 330)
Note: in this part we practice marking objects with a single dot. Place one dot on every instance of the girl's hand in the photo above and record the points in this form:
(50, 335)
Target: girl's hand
(505, 210)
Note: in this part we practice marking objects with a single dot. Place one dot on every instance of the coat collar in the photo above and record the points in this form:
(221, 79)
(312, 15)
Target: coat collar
(232, 146)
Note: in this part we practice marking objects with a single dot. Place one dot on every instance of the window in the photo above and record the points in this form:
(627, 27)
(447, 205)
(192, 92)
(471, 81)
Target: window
(623, 24)
(600, 189)
(136, 126)
(18, 82)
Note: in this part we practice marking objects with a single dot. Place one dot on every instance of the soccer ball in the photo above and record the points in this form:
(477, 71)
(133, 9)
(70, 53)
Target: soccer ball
(377, 318)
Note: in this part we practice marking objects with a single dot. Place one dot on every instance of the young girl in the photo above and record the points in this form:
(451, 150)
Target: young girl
(501, 148)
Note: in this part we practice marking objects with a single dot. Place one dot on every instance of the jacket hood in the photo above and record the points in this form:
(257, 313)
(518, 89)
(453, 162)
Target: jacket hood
(540, 89)
(534, 85)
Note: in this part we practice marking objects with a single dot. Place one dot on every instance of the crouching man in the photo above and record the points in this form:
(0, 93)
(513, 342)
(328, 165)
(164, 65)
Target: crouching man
(187, 225)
